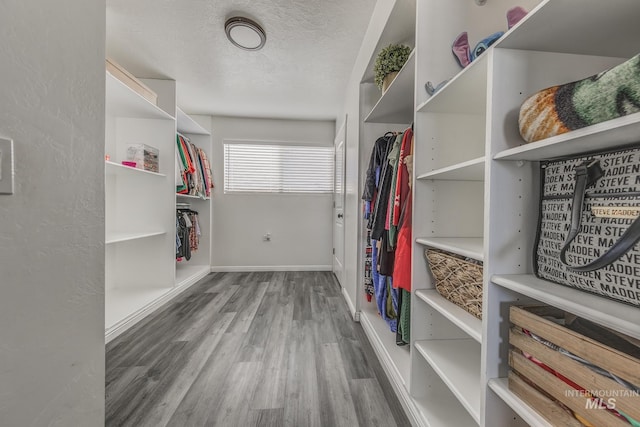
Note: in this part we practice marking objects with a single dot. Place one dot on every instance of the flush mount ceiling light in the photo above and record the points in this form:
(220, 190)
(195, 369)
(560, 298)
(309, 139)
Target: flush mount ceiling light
(245, 33)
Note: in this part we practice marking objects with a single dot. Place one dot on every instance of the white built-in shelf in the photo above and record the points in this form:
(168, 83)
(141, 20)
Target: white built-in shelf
(615, 133)
(470, 247)
(500, 386)
(471, 170)
(609, 313)
(465, 93)
(396, 30)
(470, 324)
(187, 274)
(187, 125)
(384, 340)
(189, 196)
(121, 304)
(113, 168)
(396, 104)
(457, 363)
(441, 409)
(550, 28)
(121, 101)
(125, 237)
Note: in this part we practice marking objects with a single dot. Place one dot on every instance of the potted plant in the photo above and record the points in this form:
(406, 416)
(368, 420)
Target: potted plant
(388, 62)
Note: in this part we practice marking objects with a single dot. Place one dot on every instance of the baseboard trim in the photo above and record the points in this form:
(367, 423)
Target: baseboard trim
(413, 413)
(251, 268)
(145, 311)
(355, 315)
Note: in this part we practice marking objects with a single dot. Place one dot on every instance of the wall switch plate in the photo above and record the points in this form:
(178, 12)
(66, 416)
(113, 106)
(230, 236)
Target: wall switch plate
(6, 166)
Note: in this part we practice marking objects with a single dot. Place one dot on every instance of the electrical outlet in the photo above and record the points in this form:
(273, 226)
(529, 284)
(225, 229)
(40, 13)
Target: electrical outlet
(6, 166)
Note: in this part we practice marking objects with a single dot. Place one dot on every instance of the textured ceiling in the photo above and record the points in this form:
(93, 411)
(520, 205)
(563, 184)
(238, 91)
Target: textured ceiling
(301, 73)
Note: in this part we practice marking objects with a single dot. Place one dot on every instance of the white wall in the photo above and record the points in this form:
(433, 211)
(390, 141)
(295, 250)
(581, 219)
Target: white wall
(300, 225)
(52, 228)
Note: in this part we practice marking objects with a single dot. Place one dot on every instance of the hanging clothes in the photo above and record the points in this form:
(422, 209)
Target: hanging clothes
(382, 200)
(187, 233)
(368, 268)
(394, 158)
(378, 155)
(403, 205)
(402, 265)
(377, 194)
(196, 178)
(401, 185)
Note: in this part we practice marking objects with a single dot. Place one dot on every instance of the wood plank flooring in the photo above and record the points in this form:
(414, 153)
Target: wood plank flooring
(250, 349)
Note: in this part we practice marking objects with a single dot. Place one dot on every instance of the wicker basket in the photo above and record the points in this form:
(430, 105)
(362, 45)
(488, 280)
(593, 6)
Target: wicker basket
(457, 279)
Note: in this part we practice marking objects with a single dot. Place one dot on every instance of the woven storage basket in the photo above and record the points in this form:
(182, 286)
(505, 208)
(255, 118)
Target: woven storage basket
(457, 279)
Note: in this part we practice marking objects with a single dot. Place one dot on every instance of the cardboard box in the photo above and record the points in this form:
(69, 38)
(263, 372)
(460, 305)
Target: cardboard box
(131, 81)
(145, 156)
(556, 383)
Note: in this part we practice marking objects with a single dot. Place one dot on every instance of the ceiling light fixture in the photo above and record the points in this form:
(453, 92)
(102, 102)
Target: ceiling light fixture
(245, 33)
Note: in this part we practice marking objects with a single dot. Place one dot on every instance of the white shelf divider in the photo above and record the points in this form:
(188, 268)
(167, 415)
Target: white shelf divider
(396, 104)
(125, 237)
(457, 363)
(500, 386)
(547, 29)
(465, 93)
(609, 313)
(441, 409)
(470, 324)
(471, 247)
(124, 102)
(471, 170)
(616, 133)
(189, 196)
(187, 125)
(117, 168)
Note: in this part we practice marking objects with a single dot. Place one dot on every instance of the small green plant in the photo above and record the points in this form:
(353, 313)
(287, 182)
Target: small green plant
(390, 59)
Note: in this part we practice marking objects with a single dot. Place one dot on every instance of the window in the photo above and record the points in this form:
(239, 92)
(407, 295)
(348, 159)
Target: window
(270, 168)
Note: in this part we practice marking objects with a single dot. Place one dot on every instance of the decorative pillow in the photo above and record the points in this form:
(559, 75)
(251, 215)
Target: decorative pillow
(555, 110)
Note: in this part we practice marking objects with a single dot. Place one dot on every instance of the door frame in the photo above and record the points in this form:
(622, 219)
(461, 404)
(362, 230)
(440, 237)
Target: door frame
(338, 210)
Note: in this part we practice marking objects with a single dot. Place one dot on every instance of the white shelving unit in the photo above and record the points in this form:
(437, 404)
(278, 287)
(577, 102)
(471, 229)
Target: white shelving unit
(189, 272)
(113, 168)
(189, 196)
(500, 386)
(471, 247)
(469, 324)
(475, 187)
(471, 170)
(457, 363)
(391, 111)
(622, 317)
(440, 407)
(393, 107)
(124, 237)
(140, 270)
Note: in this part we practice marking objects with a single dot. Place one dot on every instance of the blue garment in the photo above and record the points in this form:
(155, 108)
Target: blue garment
(381, 286)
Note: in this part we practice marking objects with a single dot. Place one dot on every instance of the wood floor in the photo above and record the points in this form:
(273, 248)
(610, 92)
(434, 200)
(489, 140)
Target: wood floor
(250, 349)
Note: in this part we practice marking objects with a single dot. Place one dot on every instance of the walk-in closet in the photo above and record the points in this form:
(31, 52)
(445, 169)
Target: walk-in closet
(364, 213)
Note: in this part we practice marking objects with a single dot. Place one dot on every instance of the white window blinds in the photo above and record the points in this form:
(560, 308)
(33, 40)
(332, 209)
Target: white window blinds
(269, 168)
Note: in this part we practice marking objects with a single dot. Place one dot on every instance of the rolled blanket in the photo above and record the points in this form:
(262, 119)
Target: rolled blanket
(610, 94)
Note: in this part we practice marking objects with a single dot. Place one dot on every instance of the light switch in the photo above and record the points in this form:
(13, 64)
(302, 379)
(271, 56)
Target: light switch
(6, 166)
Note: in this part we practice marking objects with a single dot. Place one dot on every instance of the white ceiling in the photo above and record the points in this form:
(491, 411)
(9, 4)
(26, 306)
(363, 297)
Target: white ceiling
(301, 73)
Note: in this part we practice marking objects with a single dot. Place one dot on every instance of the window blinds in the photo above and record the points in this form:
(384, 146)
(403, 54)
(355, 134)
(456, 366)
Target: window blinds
(269, 168)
